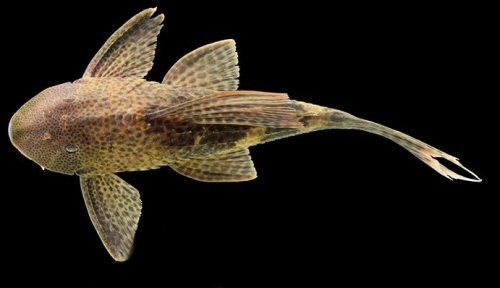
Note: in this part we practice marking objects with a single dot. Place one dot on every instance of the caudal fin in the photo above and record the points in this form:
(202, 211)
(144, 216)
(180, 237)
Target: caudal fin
(428, 154)
(314, 118)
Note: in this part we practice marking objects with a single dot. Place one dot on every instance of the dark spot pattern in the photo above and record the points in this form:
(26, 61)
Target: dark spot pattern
(111, 120)
(115, 208)
(213, 66)
(219, 167)
(130, 51)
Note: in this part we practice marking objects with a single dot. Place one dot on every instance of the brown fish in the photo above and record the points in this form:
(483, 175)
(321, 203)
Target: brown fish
(194, 121)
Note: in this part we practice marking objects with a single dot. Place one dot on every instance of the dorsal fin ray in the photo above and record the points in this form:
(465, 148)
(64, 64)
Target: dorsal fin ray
(249, 108)
(130, 51)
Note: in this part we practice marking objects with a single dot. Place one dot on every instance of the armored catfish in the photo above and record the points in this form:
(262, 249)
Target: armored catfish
(194, 121)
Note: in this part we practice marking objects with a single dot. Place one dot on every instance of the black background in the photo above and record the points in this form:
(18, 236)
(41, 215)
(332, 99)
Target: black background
(328, 207)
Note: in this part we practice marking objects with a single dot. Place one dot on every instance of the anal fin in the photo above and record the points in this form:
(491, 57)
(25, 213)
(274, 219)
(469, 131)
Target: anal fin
(227, 167)
(114, 207)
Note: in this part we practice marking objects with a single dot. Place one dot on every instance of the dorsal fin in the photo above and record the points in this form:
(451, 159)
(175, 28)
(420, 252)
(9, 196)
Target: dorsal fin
(213, 66)
(249, 108)
(130, 51)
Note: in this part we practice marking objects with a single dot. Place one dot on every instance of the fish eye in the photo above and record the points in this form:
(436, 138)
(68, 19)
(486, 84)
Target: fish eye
(71, 148)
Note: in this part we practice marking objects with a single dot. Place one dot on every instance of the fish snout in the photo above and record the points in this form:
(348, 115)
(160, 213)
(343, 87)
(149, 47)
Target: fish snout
(17, 131)
(10, 130)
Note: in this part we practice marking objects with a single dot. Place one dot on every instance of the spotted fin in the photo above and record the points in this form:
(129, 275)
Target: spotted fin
(114, 207)
(249, 108)
(213, 66)
(130, 51)
(229, 167)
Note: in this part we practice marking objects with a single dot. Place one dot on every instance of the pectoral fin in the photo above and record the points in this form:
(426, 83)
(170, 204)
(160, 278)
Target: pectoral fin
(114, 207)
(228, 167)
(130, 51)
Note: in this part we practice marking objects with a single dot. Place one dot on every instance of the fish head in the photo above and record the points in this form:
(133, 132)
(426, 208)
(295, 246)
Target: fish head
(38, 131)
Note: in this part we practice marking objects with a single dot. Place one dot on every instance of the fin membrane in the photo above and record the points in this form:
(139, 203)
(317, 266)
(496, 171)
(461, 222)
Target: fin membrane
(228, 167)
(236, 108)
(130, 51)
(213, 66)
(114, 207)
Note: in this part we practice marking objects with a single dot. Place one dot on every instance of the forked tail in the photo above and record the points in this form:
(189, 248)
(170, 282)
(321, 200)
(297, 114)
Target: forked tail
(319, 118)
(428, 154)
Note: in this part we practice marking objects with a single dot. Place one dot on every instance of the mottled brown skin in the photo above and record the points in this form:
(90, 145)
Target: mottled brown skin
(112, 120)
(105, 122)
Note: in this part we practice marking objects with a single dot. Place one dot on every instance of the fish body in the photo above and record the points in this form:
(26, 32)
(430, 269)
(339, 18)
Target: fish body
(107, 125)
(195, 121)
